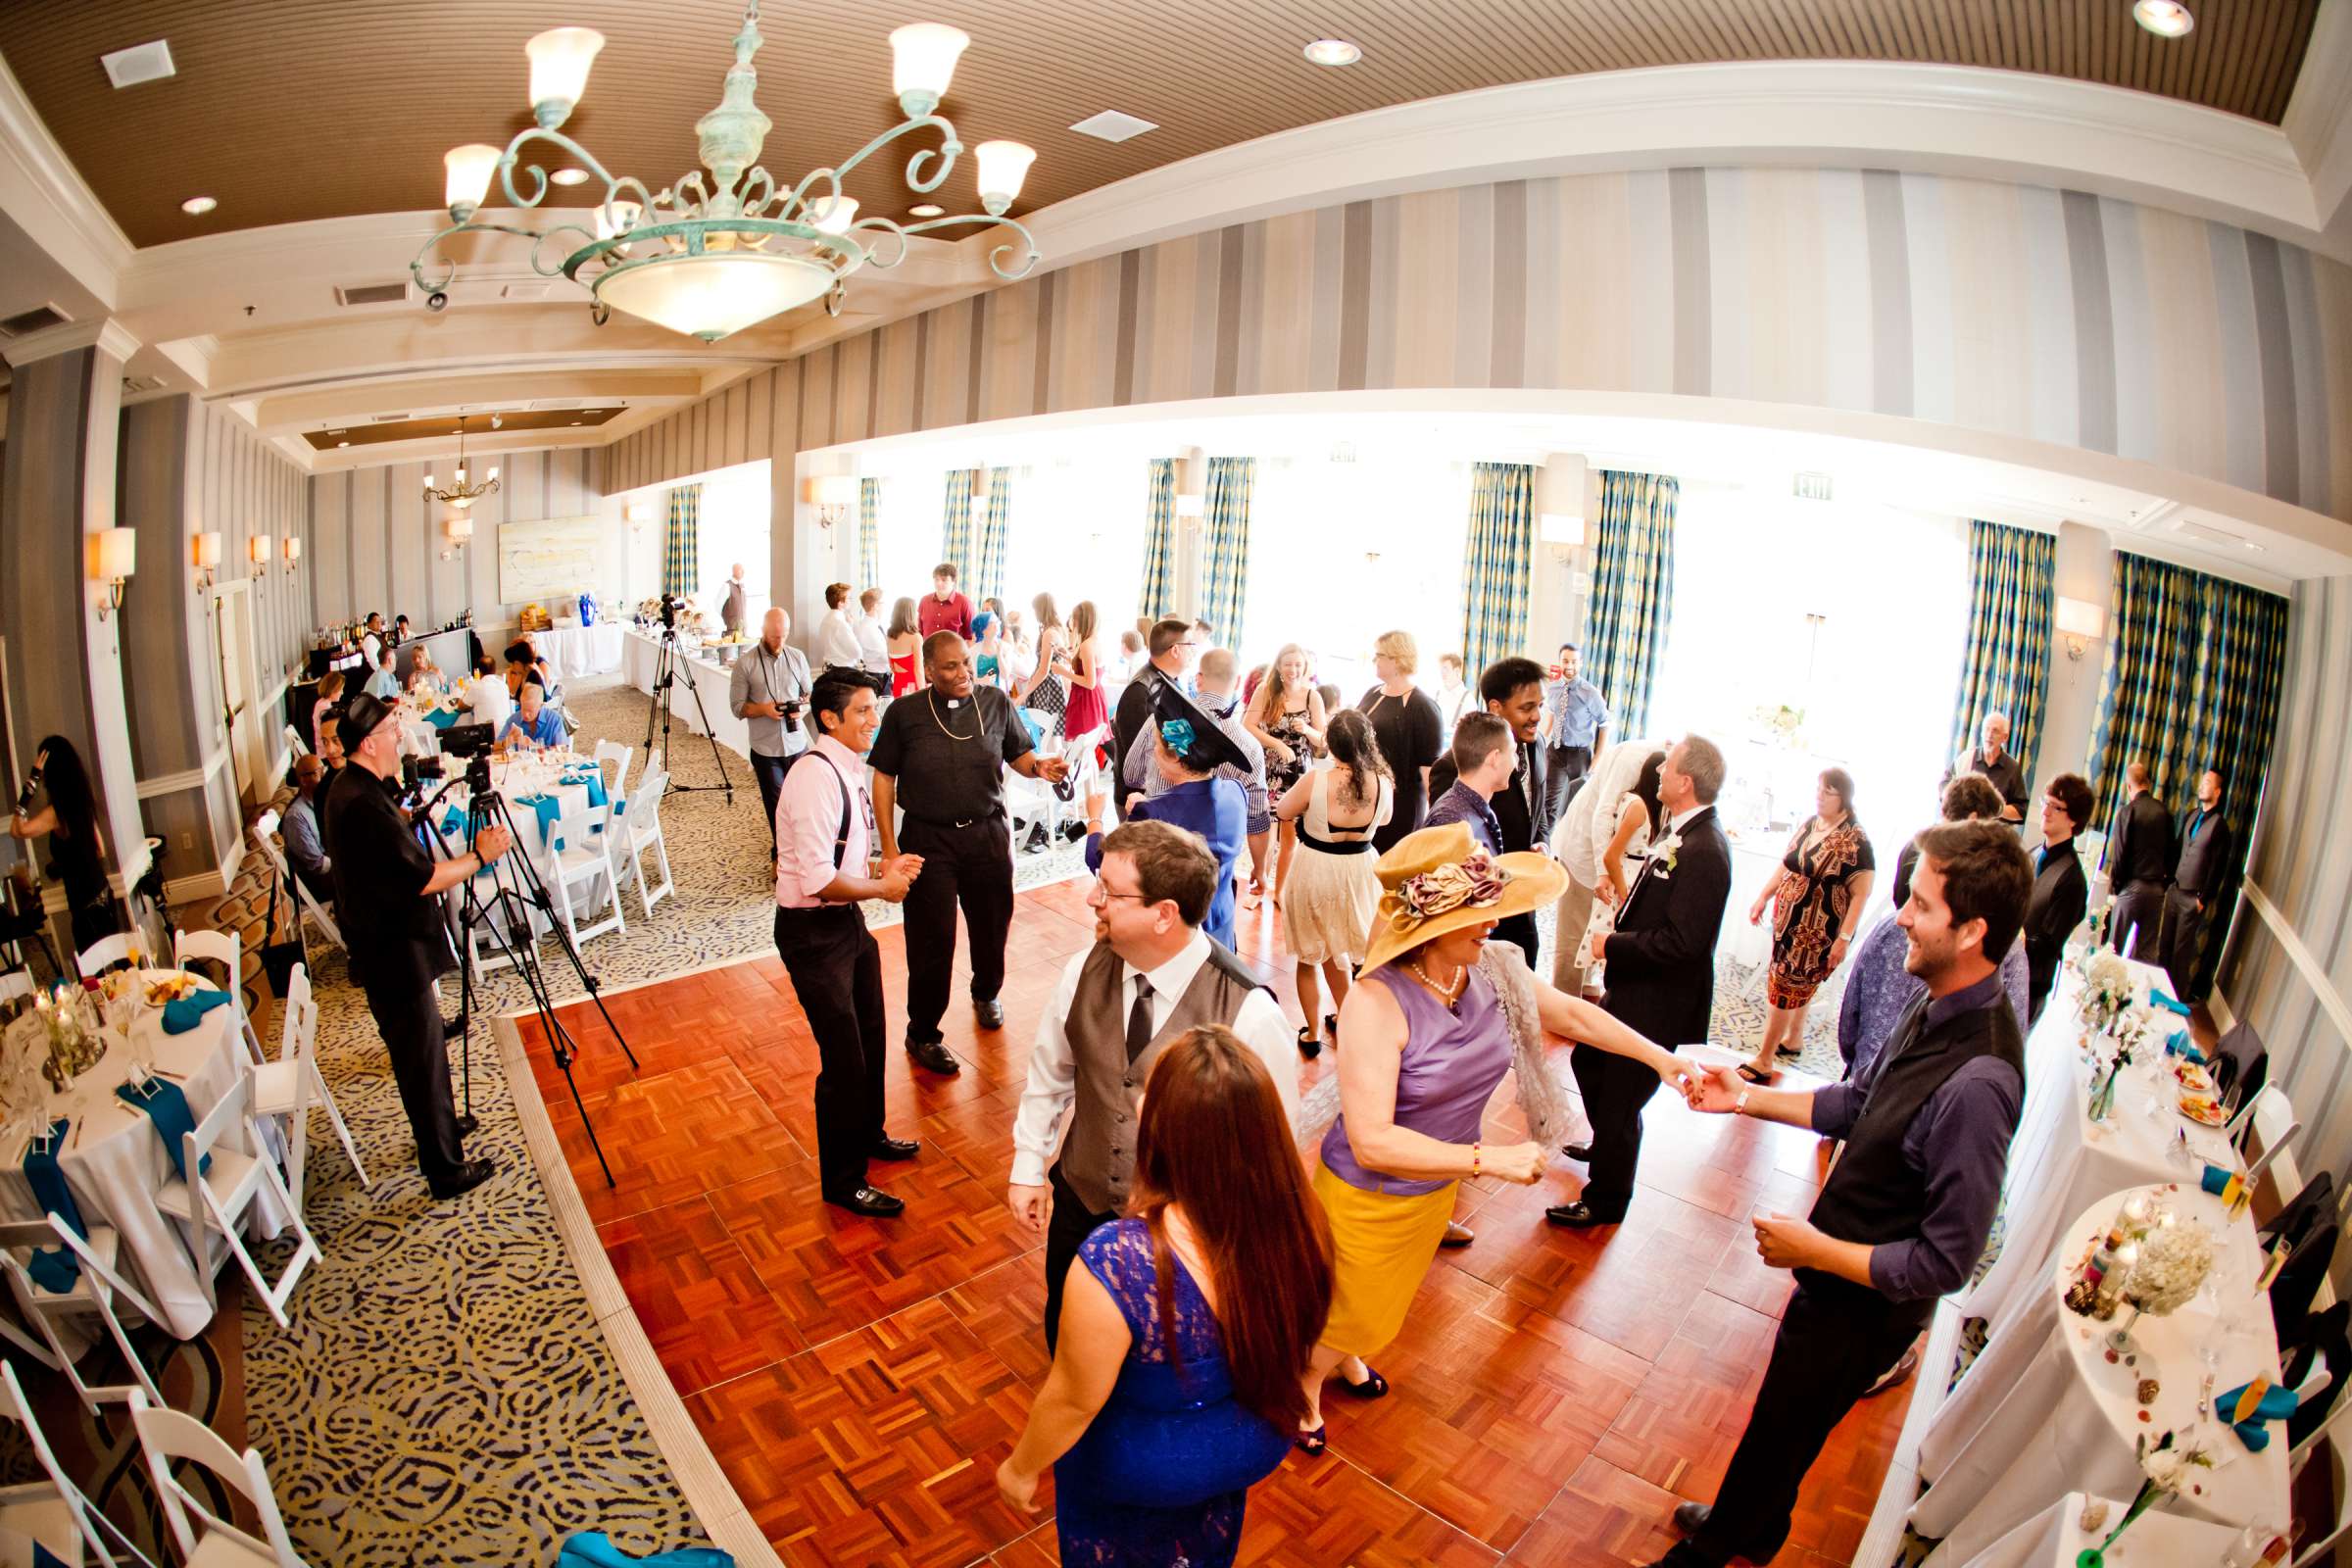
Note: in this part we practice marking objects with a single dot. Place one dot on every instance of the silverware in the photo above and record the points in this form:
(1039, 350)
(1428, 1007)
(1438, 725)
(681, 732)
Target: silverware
(2205, 1396)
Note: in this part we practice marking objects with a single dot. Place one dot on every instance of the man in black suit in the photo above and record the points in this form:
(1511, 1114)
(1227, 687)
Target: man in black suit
(1172, 652)
(1661, 973)
(2061, 892)
(1513, 691)
(2199, 866)
(2139, 861)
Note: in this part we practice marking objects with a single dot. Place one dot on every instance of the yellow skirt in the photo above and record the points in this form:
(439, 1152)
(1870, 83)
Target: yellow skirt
(1382, 1248)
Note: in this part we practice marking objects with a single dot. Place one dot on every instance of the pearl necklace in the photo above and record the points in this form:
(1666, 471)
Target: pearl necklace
(1448, 993)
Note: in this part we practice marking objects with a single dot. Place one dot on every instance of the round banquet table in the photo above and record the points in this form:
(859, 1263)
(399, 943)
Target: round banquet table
(2052, 1537)
(118, 1163)
(2042, 1411)
(2061, 1160)
(518, 779)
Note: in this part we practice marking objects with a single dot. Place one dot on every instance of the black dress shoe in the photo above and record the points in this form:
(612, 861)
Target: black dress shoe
(1581, 1152)
(1578, 1216)
(468, 1123)
(933, 1056)
(869, 1201)
(454, 1028)
(465, 1179)
(893, 1149)
(1691, 1517)
(990, 1013)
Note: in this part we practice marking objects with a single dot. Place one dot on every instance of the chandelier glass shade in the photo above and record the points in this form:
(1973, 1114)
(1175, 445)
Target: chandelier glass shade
(462, 494)
(708, 257)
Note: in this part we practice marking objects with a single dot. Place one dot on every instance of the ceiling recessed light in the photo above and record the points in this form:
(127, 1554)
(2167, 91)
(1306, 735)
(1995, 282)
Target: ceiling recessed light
(197, 205)
(2166, 19)
(927, 210)
(1113, 125)
(342, 443)
(568, 177)
(1335, 52)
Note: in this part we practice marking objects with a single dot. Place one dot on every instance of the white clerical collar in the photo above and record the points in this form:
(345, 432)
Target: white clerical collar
(1681, 819)
(1174, 974)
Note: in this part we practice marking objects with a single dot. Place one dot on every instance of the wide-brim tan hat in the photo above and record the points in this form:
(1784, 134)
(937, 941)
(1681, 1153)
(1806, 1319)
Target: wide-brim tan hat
(1440, 879)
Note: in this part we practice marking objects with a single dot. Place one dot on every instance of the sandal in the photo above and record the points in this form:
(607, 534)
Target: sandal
(1790, 1052)
(1747, 1070)
(1310, 1046)
(1313, 1443)
(1372, 1388)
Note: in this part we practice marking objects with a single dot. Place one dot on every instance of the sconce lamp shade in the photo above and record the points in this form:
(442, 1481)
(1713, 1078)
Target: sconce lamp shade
(2079, 617)
(208, 550)
(114, 554)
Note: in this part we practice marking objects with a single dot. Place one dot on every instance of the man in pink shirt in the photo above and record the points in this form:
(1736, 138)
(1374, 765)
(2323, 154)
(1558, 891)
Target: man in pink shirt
(828, 859)
(943, 608)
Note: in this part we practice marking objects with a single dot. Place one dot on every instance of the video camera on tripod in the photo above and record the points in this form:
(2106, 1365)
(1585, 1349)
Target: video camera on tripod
(671, 604)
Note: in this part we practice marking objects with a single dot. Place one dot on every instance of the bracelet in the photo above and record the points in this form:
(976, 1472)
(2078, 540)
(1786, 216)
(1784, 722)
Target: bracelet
(1474, 1160)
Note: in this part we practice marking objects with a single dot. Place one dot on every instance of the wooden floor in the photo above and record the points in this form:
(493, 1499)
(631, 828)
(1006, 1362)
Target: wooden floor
(1555, 1392)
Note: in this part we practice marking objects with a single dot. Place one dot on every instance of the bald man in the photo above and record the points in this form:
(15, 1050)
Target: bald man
(769, 691)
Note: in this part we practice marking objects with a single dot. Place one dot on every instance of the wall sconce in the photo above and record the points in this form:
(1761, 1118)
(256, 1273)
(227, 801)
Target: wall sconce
(258, 550)
(208, 561)
(2079, 623)
(293, 553)
(1564, 499)
(637, 514)
(832, 495)
(1191, 485)
(460, 531)
(114, 554)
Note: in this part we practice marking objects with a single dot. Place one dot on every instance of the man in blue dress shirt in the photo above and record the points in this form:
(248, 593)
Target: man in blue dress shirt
(1484, 760)
(533, 721)
(1577, 716)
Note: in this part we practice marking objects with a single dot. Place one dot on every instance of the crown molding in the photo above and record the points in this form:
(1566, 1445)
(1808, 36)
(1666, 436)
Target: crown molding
(47, 197)
(2318, 117)
(105, 334)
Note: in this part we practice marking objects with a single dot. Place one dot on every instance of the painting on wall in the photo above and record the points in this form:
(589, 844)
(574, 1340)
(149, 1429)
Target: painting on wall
(550, 558)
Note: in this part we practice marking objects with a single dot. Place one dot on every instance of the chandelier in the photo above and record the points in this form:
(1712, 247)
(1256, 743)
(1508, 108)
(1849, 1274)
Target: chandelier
(462, 494)
(709, 257)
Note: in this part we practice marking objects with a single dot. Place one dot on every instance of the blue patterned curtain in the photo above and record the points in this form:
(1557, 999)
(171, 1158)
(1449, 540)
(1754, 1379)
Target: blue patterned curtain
(1632, 592)
(682, 548)
(987, 571)
(956, 525)
(1225, 547)
(1497, 557)
(2194, 664)
(2011, 597)
(869, 533)
(1157, 597)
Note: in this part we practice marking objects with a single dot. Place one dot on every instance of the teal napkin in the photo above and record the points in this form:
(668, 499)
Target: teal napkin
(593, 778)
(593, 1549)
(2167, 1004)
(167, 1106)
(54, 1269)
(184, 1013)
(440, 719)
(2181, 1046)
(2277, 1406)
(546, 808)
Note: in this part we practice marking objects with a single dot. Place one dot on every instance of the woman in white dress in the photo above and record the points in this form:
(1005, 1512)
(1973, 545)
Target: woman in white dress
(1610, 819)
(1333, 893)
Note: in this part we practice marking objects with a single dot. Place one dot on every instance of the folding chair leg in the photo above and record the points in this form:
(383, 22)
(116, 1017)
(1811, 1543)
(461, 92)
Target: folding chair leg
(306, 1251)
(138, 1368)
(335, 1115)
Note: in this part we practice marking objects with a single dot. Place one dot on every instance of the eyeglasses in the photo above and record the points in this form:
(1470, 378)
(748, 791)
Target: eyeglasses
(1105, 892)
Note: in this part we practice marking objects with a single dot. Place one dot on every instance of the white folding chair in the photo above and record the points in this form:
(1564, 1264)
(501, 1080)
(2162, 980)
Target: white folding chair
(202, 1537)
(295, 744)
(618, 755)
(291, 1085)
(421, 739)
(305, 907)
(641, 830)
(34, 1509)
(16, 983)
(227, 949)
(212, 1204)
(95, 1287)
(104, 954)
(579, 862)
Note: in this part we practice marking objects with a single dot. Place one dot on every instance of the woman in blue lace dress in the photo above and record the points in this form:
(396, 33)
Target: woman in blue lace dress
(1186, 1332)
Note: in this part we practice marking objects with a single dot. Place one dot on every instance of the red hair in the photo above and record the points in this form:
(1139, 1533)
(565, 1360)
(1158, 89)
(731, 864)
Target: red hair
(1213, 1140)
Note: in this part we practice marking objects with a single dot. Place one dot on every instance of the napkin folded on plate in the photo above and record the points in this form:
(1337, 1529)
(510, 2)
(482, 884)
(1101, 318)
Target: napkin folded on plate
(593, 778)
(441, 718)
(54, 1269)
(2167, 1004)
(167, 1107)
(184, 1013)
(2277, 1406)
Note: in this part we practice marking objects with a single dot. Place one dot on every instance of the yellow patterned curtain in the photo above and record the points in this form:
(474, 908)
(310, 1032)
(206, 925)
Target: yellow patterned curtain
(2007, 667)
(682, 551)
(1497, 557)
(1157, 597)
(1632, 592)
(869, 533)
(987, 571)
(956, 525)
(1225, 552)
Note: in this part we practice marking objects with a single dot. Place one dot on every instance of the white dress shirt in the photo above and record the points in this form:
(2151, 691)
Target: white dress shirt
(1037, 1127)
(873, 645)
(492, 702)
(836, 641)
(373, 646)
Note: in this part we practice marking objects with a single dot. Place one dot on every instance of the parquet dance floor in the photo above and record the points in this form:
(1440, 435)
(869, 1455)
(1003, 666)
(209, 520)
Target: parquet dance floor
(1555, 1392)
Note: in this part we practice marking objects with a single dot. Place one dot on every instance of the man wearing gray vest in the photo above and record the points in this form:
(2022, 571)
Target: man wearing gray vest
(1149, 976)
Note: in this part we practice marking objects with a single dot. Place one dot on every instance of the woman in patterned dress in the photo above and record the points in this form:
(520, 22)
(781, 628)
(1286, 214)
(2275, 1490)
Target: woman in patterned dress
(1286, 717)
(1817, 903)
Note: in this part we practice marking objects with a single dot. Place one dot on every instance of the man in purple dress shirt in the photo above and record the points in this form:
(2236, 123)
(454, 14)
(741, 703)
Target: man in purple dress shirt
(1484, 759)
(1903, 1216)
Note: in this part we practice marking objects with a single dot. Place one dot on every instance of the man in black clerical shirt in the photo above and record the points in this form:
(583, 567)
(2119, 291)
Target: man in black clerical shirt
(388, 903)
(940, 757)
(2139, 864)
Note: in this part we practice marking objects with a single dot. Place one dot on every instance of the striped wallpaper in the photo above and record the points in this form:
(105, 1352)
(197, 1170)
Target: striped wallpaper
(2302, 860)
(2050, 314)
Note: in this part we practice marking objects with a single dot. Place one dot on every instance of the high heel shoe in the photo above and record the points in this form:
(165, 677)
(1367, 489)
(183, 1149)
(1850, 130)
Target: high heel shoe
(1310, 1046)
(1313, 1443)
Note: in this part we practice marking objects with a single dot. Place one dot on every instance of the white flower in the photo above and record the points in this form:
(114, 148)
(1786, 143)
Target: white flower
(1662, 854)
(2174, 1260)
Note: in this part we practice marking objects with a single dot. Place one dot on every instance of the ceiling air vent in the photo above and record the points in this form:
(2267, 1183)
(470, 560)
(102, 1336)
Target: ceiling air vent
(32, 321)
(386, 419)
(1812, 487)
(525, 291)
(146, 61)
(372, 294)
(2218, 536)
(1113, 125)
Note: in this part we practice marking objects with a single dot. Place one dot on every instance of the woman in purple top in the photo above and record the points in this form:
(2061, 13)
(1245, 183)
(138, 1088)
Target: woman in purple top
(1426, 1045)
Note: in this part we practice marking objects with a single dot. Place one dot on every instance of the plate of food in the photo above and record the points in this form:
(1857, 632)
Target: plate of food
(2203, 1109)
(2193, 1076)
(171, 988)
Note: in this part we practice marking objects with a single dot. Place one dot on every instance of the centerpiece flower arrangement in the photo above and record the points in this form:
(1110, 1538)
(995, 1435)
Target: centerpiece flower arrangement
(2107, 990)
(1781, 725)
(2165, 1469)
(2175, 1256)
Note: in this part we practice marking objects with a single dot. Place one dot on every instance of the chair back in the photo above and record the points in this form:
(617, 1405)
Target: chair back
(224, 948)
(295, 744)
(298, 1017)
(265, 839)
(104, 954)
(618, 755)
(16, 983)
(2241, 1058)
(574, 830)
(425, 740)
(657, 786)
(15, 1407)
(227, 1112)
(167, 1436)
(2321, 1534)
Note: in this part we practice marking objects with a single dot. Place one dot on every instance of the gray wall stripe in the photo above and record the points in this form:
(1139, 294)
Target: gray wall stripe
(1506, 328)
(1355, 295)
(1041, 365)
(1693, 329)
(2095, 322)
(2136, 431)
(2272, 342)
(977, 352)
(1122, 365)
(1472, 287)
(2235, 309)
(922, 372)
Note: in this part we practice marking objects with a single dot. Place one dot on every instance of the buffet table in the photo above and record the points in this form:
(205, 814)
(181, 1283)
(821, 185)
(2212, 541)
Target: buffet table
(575, 650)
(697, 671)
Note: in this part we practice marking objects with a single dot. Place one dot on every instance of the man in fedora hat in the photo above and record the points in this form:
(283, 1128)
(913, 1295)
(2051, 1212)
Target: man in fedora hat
(1190, 751)
(1661, 974)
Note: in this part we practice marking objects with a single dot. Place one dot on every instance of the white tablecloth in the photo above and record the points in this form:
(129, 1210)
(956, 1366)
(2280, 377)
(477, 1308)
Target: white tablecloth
(2052, 1537)
(2042, 1410)
(581, 650)
(2061, 1160)
(118, 1163)
(696, 672)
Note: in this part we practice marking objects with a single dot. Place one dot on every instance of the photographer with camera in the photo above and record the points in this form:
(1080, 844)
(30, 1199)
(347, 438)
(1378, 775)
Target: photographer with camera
(388, 891)
(769, 689)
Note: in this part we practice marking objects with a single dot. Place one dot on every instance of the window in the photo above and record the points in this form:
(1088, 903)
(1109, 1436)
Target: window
(733, 527)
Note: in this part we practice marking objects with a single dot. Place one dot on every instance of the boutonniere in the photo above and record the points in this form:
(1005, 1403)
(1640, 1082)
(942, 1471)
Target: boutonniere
(1663, 854)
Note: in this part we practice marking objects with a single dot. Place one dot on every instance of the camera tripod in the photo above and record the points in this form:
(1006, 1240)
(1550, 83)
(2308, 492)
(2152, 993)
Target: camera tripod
(666, 675)
(516, 889)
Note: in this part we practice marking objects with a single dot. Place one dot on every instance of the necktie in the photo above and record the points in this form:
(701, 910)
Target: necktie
(1139, 1018)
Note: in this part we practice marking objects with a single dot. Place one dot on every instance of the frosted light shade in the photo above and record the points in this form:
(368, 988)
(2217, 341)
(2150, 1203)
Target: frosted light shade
(922, 58)
(293, 548)
(560, 62)
(1002, 167)
(1560, 528)
(1191, 506)
(494, 474)
(468, 169)
(837, 490)
(428, 481)
(712, 296)
(2079, 617)
(208, 550)
(459, 528)
(833, 213)
(259, 547)
(114, 553)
